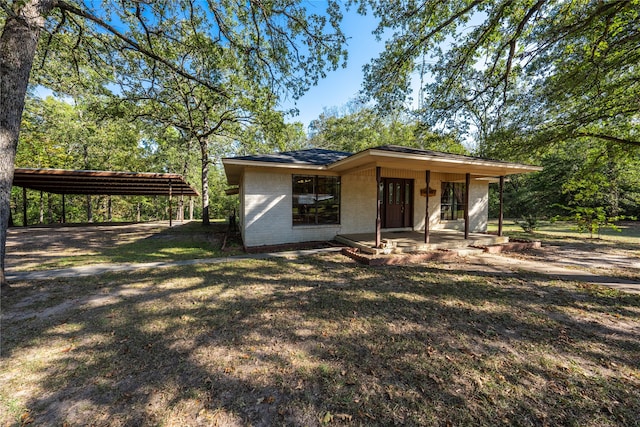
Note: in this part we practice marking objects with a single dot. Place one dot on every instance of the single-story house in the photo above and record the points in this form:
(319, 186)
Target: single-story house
(317, 194)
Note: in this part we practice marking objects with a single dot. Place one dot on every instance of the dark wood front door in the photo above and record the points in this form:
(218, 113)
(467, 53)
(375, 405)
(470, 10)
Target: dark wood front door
(398, 203)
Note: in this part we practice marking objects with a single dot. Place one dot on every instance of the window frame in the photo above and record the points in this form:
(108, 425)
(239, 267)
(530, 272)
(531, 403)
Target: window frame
(314, 212)
(448, 189)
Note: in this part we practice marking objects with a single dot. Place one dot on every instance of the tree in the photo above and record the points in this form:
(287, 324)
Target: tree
(80, 134)
(208, 119)
(544, 71)
(360, 127)
(285, 48)
(580, 174)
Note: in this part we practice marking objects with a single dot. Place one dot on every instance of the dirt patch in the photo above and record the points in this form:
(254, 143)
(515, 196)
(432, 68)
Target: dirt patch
(45, 248)
(601, 258)
(34, 245)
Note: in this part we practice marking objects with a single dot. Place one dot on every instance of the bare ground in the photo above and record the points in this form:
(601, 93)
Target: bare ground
(32, 246)
(602, 257)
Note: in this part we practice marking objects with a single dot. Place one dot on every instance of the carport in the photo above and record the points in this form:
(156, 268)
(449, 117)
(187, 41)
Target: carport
(110, 183)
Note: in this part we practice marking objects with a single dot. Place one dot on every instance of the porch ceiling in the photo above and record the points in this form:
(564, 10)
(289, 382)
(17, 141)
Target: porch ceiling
(434, 162)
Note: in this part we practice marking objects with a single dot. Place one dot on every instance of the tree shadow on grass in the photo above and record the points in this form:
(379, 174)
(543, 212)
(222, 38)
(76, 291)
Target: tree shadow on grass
(307, 341)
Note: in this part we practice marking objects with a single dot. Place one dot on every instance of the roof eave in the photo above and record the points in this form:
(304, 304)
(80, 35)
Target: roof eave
(233, 168)
(500, 167)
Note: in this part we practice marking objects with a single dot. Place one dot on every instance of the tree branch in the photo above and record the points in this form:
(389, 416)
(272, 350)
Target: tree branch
(135, 45)
(607, 138)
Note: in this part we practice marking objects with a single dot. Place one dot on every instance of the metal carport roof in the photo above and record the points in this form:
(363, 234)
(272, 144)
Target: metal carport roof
(63, 181)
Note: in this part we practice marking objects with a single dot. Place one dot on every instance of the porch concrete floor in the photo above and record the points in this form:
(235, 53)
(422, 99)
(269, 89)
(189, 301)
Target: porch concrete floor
(413, 241)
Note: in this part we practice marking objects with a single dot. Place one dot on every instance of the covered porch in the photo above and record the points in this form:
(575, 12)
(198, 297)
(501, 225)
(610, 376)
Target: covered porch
(413, 241)
(408, 179)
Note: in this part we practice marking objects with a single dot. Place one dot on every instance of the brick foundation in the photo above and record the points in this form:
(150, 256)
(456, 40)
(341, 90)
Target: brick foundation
(511, 246)
(403, 259)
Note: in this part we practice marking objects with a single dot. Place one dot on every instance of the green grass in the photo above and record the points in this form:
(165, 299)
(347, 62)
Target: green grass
(629, 232)
(318, 340)
(190, 241)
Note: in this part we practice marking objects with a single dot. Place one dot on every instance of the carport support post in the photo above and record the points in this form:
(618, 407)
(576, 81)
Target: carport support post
(427, 178)
(501, 215)
(170, 213)
(41, 208)
(24, 206)
(64, 210)
(378, 206)
(467, 181)
(180, 215)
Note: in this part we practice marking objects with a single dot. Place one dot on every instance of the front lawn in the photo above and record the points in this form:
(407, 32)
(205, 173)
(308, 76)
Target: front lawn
(318, 341)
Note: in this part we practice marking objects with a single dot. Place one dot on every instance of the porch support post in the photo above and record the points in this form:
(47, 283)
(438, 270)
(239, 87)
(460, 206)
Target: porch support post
(170, 213)
(426, 210)
(501, 215)
(378, 206)
(24, 206)
(467, 181)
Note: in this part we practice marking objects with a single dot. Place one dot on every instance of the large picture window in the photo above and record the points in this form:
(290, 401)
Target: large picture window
(452, 202)
(316, 200)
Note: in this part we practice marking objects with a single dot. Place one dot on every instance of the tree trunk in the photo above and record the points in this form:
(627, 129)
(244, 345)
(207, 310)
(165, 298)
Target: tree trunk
(89, 210)
(204, 150)
(18, 43)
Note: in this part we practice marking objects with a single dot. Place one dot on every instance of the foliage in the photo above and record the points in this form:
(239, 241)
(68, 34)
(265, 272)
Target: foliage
(583, 173)
(78, 135)
(591, 220)
(529, 73)
(360, 127)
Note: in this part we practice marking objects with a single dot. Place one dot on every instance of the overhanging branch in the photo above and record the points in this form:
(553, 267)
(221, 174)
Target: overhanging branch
(135, 45)
(607, 138)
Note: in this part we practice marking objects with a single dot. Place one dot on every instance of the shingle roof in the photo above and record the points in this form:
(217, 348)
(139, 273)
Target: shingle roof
(391, 156)
(313, 156)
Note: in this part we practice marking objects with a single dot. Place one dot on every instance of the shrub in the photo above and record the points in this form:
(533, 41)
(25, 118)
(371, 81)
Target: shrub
(529, 223)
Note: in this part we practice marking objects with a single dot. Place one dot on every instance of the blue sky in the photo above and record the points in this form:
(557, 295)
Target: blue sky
(342, 85)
